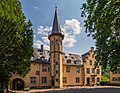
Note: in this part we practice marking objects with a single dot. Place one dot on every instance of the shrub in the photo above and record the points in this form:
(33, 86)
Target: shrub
(104, 80)
(26, 88)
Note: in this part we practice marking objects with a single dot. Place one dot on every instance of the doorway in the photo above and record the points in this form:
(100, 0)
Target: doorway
(88, 81)
(18, 84)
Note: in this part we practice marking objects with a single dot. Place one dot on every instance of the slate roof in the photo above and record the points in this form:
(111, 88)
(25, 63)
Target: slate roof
(56, 24)
(44, 57)
(84, 55)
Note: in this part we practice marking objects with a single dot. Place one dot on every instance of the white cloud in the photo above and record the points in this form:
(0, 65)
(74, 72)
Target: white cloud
(46, 47)
(71, 28)
(35, 7)
(45, 40)
(37, 43)
(44, 31)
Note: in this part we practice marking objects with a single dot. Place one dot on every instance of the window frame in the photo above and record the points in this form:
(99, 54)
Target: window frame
(43, 80)
(44, 68)
(68, 69)
(77, 80)
(33, 80)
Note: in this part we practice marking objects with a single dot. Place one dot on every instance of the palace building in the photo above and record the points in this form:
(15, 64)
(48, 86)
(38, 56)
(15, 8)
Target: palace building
(115, 77)
(57, 68)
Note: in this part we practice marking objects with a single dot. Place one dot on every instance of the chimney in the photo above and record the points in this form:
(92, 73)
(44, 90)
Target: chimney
(92, 48)
(42, 48)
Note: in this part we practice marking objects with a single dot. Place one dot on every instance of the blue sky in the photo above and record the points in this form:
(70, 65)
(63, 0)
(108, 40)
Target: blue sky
(41, 14)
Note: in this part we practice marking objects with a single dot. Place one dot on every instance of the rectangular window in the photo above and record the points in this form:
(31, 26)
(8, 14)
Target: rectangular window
(98, 79)
(93, 80)
(118, 78)
(44, 80)
(44, 68)
(48, 68)
(67, 68)
(93, 71)
(37, 72)
(56, 63)
(56, 72)
(77, 70)
(56, 42)
(98, 71)
(52, 42)
(88, 70)
(56, 80)
(77, 80)
(64, 80)
(32, 80)
(90, 62)
(113, 79)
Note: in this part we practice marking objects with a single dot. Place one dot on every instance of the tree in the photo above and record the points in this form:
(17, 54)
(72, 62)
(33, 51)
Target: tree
(103, 24)
(16, 39)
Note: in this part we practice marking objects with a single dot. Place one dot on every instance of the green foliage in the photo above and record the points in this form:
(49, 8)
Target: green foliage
(26, 88)
(103, 24)
(104, 80)
(16, 39)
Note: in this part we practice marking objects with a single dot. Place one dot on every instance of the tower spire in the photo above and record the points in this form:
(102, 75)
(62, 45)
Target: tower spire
(56, 24)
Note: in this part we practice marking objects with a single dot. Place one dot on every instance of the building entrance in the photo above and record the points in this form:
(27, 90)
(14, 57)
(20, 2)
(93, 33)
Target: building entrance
(88, 81)
(17, 84)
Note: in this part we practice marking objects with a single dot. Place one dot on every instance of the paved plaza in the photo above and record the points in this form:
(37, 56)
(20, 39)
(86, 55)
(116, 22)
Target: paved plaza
(84, 89)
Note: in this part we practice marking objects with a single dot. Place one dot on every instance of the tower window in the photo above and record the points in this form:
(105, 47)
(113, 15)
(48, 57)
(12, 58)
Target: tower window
(56, 80)
(56, 63)
(52, 42)
(56, 42)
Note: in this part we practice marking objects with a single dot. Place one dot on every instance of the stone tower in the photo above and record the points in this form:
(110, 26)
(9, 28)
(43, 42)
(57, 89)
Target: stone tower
(56, 37)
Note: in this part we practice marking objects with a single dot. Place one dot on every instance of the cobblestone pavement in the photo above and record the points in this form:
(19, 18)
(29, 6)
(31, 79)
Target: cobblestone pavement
(84, 89)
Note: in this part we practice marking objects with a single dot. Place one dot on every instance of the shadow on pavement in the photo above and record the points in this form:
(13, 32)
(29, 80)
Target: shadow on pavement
(84, 90)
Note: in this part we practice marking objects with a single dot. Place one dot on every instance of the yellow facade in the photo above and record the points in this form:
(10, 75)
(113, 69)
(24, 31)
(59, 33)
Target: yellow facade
(36, 73)
(58, 69)
(92, 75)
(115, 77)
(72, 75)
